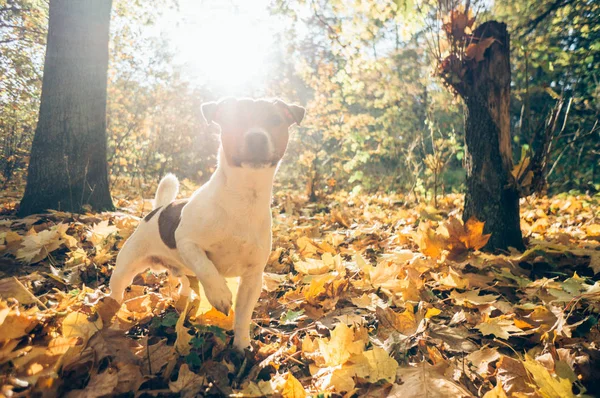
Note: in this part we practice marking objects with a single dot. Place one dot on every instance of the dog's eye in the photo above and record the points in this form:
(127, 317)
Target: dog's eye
(274, 120)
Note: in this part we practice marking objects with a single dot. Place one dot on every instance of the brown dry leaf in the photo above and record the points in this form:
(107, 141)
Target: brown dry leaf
(100, 384)
(477, 50)
(107, 308)
(15, 323)
(404, 322)
(474, 237)
(130, 378)
(471, 298)
(154, 357)
(10, 242)
(271, 281)
(13, 288)
(482, 358)
(100, 232)
(513, 377)
(458, 23)
(141, 309)
(60, 345)
(424, 380)
(466, 236)
(342, 217)
(188, 383)
(36, 246)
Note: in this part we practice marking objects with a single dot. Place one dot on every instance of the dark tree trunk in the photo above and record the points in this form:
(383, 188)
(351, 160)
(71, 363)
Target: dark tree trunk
(492, 195)
(68, 167)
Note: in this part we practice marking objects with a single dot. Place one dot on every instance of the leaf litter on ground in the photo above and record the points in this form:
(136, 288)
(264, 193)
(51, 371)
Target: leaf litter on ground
(363, 296)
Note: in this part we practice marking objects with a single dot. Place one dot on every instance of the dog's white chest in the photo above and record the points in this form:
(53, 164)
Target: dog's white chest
(237, 253)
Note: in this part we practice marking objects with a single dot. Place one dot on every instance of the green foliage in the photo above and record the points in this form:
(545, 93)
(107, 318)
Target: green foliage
(370, 98)
(23, 26)
(556, 57)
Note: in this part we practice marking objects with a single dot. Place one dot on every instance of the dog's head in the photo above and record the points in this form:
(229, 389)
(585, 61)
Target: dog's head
(254, 133)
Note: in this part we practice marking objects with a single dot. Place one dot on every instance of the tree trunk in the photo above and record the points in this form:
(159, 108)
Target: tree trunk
(68, 167)
(492, 195)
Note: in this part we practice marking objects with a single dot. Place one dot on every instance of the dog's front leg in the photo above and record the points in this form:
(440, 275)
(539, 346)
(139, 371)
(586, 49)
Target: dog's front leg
(247, 297)
(215, 286)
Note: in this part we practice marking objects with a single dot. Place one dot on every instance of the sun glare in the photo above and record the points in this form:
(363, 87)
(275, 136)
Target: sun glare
(223, 44)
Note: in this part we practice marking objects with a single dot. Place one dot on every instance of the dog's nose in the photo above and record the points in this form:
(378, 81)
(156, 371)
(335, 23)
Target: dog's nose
(257, 143)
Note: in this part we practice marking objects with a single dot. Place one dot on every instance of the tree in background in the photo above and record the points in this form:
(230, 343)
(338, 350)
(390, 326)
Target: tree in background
(68, 167)
(477, 67)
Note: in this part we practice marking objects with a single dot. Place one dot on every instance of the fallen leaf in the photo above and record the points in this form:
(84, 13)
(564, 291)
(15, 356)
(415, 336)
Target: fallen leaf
(425, 380)
(188, 383)
(500, 327)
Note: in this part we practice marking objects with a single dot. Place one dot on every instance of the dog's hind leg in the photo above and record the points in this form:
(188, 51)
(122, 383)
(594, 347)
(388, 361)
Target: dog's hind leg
(130, 262)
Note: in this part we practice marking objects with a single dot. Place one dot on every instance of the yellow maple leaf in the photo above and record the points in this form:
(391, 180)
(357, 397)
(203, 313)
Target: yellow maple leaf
(500, 327)
(78, 324)
(204, 313)
(312, 266)
(292, 388)
(306, 246)
(549, 386)
(381, 365)
(474, 237)
(452, 280)
(101, 232)
(472, 298)
(340, 346)
(430, 243)
(182, 343)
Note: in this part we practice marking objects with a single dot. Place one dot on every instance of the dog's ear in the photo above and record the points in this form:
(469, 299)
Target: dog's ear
(209, 110)
(293, 113)
(214, 112)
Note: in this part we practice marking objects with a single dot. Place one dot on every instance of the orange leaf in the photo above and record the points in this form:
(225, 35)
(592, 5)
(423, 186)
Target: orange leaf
(477, 50)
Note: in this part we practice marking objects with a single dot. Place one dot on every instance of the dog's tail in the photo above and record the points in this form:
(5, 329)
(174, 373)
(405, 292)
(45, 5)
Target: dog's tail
(166, 191)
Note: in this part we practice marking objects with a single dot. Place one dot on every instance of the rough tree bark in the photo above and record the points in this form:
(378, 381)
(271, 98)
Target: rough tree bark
(491, 195)
(68, 167)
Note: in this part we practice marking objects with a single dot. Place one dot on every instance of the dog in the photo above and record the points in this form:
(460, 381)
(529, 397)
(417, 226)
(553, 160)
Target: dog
(224, 229)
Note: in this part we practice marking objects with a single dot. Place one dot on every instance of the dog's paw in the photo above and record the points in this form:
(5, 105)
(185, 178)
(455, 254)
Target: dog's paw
(219, 296)
(241, 342)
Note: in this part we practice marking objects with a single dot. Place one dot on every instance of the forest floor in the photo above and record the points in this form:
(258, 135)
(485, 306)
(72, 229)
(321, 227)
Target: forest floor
(368, 296)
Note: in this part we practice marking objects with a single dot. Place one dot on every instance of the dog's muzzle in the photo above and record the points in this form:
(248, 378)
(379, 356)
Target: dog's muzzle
(258, 148)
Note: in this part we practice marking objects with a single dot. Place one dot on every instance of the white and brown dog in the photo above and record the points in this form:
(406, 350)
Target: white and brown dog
(224, 229)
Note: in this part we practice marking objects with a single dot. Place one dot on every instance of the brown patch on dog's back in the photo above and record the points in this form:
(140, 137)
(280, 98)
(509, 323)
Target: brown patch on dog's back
(152, 213)
(168, 221)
